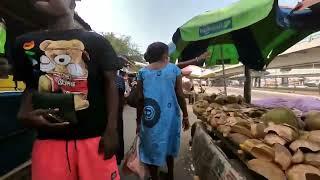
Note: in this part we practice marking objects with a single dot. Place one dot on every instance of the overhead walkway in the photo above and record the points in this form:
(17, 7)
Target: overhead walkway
(305, 54)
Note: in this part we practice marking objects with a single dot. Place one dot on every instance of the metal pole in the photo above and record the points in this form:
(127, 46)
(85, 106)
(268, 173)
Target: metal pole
(224, 79)
(247, 85)
(223, 72)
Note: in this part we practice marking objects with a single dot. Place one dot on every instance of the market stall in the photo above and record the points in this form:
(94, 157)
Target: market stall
(268, 142)
(274, 142)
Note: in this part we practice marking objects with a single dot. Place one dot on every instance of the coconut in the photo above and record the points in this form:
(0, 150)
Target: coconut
(257, 130)
(298, 157)
(286, 132)
(281, 116)
(267, 169)
(312, 159)
(221, 99)
(232, 99)
(258, 149)
(273, 138)
(211, 98)
(312, 120)
(237, 138)
(241, 100)
(225, 130)
(283, 156)
(216, 106)
(200, 107)
(203, 96)
(303, 172)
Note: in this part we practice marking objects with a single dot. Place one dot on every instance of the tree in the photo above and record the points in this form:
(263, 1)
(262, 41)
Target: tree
(123, 45)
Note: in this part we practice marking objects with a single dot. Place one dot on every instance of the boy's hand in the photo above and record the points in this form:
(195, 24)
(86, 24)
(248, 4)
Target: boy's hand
(44, 119)
(109, 143)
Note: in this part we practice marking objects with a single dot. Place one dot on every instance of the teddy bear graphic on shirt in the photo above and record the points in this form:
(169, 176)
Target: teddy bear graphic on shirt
(66, 70)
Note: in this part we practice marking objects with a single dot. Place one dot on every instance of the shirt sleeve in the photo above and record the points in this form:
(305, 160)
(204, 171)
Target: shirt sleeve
(105, 55)
(22, 66)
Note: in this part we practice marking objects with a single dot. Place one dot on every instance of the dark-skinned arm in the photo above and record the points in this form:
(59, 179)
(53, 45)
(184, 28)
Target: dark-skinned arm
(195, 61)
(140, 104)
(182, 102)
(110, 140)
(112, 99)
(184, 64)
(39, 119)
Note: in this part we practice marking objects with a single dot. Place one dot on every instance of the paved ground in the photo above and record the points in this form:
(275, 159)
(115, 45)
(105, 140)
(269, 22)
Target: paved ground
(259, 94)
(183, 167)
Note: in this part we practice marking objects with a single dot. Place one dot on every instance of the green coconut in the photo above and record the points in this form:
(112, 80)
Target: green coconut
(200, 107)
(210, 98)
(281, 116)
(312, 120)
(241, 100)
(221, 99)
(232, 99)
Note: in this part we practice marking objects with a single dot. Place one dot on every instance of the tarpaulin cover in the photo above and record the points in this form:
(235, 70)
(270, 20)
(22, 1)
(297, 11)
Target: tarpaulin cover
(304, 104)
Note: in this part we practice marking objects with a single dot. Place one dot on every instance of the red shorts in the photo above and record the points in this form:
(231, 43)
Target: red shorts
(71, 160)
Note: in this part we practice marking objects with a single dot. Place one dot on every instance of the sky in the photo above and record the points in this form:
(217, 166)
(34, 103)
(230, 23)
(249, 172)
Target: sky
(146, 21)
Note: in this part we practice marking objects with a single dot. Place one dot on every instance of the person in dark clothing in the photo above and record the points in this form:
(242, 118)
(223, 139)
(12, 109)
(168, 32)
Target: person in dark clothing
(121, 89)
(65, 61)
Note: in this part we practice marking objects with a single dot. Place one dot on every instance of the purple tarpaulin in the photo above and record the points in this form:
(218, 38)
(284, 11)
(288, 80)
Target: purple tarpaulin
(303, 104)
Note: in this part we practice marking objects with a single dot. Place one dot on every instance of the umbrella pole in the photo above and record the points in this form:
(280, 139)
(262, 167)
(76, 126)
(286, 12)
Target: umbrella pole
(224, 79)
(247, 85)
(223, 72)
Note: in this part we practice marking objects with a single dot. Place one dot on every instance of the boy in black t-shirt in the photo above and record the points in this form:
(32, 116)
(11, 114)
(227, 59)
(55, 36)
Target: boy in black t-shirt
(66, 61)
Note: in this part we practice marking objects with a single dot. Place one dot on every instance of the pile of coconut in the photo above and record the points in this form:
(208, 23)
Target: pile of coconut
(277, 143)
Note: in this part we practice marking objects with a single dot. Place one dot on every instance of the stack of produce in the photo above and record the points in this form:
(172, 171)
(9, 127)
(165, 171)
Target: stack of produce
(275, 142)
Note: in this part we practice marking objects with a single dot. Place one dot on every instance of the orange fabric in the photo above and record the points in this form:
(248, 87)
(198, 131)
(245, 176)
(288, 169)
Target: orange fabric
(71, 160)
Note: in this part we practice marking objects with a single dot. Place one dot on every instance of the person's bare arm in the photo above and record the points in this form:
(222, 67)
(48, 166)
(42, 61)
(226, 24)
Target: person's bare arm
(25, 108)
(38, 118)
(194, 61)
(140, 104)
(112, 99)
(184, 64)
(182, 102)
(110, 138)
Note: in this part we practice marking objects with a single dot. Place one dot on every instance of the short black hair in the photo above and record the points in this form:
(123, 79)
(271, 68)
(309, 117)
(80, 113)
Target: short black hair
(73, 4)
(155, 52)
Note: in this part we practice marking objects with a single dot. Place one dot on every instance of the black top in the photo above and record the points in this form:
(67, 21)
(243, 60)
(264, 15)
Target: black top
(71, 61)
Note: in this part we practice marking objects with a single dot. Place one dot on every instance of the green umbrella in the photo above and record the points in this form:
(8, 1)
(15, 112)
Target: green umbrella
(250, 25)
(3, 35)
(222, 54)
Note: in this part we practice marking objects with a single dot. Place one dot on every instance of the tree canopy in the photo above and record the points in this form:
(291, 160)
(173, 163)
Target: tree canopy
(123, 45)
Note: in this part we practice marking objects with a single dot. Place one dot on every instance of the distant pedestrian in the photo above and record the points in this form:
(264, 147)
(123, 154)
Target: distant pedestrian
(121, 90)
(160, 90)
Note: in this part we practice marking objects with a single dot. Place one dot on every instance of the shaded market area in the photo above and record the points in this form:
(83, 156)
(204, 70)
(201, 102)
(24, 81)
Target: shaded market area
(253, 104)
(253, 136)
